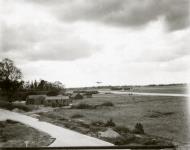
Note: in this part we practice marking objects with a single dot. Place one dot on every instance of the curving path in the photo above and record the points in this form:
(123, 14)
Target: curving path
(64, 137)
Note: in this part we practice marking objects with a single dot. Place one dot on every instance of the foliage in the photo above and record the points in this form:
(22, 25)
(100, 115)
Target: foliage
(53, 93)
(107, 104)
(138, 128)
(11, 106)
(43, 85)
(110, 123)
(83, 106)
(77, 116)
(98, 123)
(121, 129)
(10, 78)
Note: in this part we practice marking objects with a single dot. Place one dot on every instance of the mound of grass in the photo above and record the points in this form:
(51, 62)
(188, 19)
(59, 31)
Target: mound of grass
(107, 104)
(83, 106)
(110, 123)
(77, 116)
(158, 114)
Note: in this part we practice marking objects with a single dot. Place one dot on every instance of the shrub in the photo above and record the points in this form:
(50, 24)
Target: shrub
(121, 129)
(107, 104)
(138, 129)
(83, 106)
(110, 123)
(98, 123)
(77, 116)
(53, 93)
(11, 121)
(11, 106)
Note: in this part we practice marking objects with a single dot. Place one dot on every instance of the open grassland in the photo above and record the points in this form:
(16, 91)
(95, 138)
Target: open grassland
(177, 89)
(160, 116)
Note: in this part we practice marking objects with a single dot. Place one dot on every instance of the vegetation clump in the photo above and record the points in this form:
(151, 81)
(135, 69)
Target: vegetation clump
(138, 129)
(107, 104)
(53, 93)
(77, 116)
(83, 106)
(121, 129)
(98, 123)
(110, 123)
(11, 106)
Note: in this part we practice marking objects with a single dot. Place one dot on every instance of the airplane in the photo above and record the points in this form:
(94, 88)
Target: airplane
(98, 82)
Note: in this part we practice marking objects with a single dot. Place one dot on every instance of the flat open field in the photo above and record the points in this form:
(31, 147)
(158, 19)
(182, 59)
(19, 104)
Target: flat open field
(178, 89)
(160, 116)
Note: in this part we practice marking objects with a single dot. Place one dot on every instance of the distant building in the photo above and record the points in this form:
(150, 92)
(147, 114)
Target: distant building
(53, 101)
(56, 101)
(76, 96)
(35, 99)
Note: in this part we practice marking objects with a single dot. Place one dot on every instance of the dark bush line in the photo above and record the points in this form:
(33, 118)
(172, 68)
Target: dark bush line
(107, 104)
(77, 116)
(88, 106)
(11, 106)
(83, 106)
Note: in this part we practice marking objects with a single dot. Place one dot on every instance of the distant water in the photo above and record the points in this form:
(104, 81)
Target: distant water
(146, 94)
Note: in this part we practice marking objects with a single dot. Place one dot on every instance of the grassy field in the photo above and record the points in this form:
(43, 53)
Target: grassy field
(14, 134)
(179, 89)
(160, 116)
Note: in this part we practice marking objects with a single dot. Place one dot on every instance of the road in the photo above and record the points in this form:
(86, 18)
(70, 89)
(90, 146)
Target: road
(146, 94)
(64, 137)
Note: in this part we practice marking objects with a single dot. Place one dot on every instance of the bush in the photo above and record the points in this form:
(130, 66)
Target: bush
(110, 123)
(77, 116)
(107, 104)
(121, 129)
(53, 93)
(98, 123)
(11, 106)
(11, 121)
(83, 106)
(138, 129)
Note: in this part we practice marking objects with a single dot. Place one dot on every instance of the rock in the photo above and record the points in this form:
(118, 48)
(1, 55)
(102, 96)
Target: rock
(109, 133)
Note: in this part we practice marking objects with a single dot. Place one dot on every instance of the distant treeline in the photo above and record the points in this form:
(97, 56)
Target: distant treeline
(127, 87)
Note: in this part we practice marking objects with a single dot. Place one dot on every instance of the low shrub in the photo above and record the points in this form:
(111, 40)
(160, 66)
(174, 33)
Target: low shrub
(77, 116)
(53, 93)
(11, 106)
(11, 121)
(110, 123)
(138, 129)
(83, 106)
(121, 129)
(107, 104)
(98, 123)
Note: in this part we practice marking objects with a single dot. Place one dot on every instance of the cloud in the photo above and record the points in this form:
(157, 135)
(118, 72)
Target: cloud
(34, 43)
(37, 35)
(123, 13)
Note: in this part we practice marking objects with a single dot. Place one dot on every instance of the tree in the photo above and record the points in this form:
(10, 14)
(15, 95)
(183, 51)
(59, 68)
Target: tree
(10, 78)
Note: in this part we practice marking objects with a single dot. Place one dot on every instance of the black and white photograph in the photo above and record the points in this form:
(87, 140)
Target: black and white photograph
(95, 74)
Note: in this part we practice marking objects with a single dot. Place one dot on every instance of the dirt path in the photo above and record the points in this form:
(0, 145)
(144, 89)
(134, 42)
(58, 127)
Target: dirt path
(64, 137)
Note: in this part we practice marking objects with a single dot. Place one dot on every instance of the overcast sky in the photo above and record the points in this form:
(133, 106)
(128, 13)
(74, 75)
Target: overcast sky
(80, 42)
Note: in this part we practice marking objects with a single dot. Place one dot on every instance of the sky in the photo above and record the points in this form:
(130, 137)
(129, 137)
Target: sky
(80, 42)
